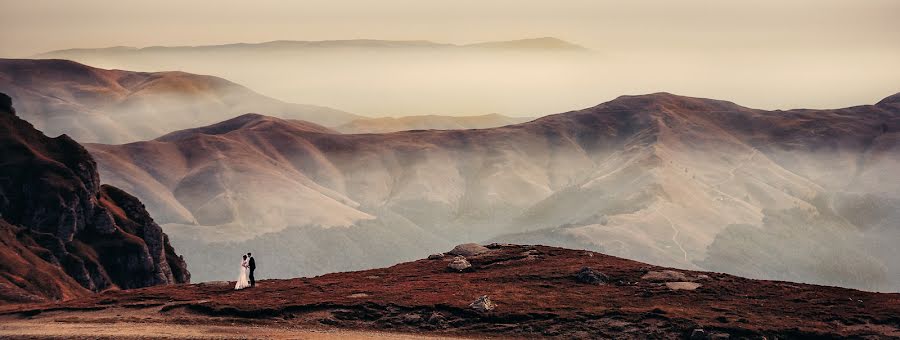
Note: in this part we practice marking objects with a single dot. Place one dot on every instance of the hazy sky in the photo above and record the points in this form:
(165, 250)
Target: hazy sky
(761, 53)
(32, 26)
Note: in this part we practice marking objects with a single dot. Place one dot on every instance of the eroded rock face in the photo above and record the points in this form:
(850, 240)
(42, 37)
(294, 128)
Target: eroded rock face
(99, 236)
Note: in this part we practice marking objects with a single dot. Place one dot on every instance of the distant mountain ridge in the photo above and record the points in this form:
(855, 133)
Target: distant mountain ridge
(114, 106)
(544, 43)
(661, 178)
(428, 122)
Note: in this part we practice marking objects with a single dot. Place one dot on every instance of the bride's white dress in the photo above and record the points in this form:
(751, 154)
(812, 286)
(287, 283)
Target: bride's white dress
(243, 280)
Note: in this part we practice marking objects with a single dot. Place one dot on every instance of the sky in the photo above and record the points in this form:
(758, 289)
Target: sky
(33, 26)
(850, 45)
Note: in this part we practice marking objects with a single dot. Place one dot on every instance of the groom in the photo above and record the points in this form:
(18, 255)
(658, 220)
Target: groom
(252, 268)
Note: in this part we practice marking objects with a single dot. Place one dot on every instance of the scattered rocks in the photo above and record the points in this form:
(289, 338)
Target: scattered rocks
(411, 318)
(701, 334)
(665, 276)
(435, 256)
(483, 304)
(436, 318)
(590, 276)
(468, 249)
(459, 264)
(682, 285)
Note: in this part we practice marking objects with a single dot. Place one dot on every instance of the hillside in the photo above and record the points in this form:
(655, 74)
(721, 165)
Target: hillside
(531, 291)
(428, 122)
(62, 233)
(678, 181)
(378, 78)
(113, 106)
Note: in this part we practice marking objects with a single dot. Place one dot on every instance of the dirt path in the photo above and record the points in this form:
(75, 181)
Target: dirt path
(123, 324)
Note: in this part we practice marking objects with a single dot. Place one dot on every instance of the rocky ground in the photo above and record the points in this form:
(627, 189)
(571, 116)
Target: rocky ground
(499, 291)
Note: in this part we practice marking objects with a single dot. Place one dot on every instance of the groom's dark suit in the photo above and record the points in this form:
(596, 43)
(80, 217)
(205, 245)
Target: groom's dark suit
(252, 268)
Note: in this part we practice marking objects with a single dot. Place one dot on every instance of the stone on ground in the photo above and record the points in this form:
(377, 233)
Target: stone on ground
(590, 276)
(459, 264)
(682, 285)
(665, 276)
(483, 304)
(469, 249)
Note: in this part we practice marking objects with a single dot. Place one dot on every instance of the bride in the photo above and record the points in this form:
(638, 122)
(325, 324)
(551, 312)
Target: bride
(243, 281)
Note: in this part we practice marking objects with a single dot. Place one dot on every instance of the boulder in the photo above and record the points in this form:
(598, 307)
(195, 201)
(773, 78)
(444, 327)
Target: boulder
(483, 304)
(435, 256)
(469, 249)
(590, 276)
(665, 276)
(682, 285)
(459, 264)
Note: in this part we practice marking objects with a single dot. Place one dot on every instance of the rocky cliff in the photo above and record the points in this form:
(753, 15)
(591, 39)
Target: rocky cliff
(64, 234)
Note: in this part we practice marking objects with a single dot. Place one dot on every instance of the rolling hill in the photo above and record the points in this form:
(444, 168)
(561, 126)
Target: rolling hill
(508, 292)
(113, 106)
(678, 181)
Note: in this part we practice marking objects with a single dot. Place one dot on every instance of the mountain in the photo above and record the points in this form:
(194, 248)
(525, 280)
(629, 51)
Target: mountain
(62, 233)
(526, 77)
(113, 106)
(428, 122)
(545, 43)
(509, 291)
(678, 181)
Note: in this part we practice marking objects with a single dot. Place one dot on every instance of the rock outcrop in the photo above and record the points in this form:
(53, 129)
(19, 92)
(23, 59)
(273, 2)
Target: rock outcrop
(57, 217)
(468, 249)
(459, 264)
(590, 276)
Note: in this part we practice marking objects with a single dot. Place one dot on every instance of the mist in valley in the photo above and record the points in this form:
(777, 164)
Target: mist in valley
(383, 78)
(668, 180)
(239, 142)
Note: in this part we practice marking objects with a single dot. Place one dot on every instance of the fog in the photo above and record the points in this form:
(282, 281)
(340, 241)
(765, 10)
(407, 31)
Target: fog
(448, 81)
(662, 185)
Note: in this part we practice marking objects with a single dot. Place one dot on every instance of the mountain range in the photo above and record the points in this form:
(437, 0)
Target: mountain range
(380, 78)
(428, 122)
(802, 195)
(114, 106)
(531, 44)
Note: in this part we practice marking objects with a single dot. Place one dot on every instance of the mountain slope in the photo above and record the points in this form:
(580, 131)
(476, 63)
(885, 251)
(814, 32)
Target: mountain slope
(112, 106)
(660, 178)
(63, 234)
(428, 122)
(534, 292)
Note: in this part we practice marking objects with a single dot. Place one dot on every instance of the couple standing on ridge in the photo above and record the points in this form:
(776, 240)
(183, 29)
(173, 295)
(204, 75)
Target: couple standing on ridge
(245, 280)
